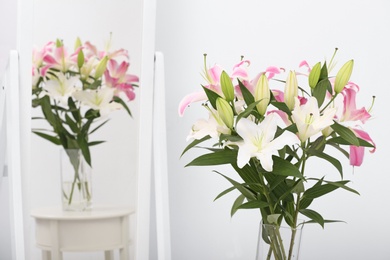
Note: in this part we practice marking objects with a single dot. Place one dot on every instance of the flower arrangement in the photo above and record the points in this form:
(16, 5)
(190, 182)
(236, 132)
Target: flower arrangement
(76, 89)
(267, 129)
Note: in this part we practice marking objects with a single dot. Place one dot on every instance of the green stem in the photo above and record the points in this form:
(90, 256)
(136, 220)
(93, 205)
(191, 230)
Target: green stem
(297, 206)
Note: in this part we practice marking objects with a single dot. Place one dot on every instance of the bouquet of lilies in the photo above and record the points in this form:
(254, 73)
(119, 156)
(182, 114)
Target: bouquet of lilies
(267, 129)
(78, 87)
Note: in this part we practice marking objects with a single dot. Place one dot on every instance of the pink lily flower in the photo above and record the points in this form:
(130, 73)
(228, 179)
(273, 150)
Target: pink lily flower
(356, 153)
(270, 72)
(92, 51)
(213, 75)
(350, 113)
(59, 59)
(116, 77)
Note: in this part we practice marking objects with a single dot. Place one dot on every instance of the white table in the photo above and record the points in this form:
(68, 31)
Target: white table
(98, 229)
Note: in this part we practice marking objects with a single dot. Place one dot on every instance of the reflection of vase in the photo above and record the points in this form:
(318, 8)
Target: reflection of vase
(75, 181)
(278, 242)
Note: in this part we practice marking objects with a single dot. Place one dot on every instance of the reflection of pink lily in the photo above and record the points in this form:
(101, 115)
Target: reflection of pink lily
(59, 59)
(356, 153)
(116, 77)
(92, 51)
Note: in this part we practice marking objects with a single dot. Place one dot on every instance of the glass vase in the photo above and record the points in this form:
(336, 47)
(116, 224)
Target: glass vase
(76, 185)
(278, 242)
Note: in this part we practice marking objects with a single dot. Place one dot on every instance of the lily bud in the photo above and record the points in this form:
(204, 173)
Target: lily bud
(80, 59)
(77, 43)
(291, 90)
(225, 112)
(343, 76)
(59, 43)
(314, 75)
(262, 93)
(101, 67)
(227, 86)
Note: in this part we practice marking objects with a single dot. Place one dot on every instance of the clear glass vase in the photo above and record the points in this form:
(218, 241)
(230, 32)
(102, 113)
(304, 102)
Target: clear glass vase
(76, 185)
(278, 242)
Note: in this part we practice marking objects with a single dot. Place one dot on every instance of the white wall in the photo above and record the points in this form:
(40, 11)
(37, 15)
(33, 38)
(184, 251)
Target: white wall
(278, 33)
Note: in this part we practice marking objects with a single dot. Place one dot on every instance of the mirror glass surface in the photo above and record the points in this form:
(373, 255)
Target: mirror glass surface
(114, 176)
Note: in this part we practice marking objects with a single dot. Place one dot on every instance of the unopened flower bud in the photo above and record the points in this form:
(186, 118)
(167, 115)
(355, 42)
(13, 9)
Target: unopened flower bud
(225, 112)
(101, 67)
(314, 75)
(227, 86)
(80, 59)
(262, 93)
(77, 43)
(343, 76)
(291, 90)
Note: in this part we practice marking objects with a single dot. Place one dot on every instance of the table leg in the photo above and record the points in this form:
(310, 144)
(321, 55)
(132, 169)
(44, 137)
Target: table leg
(56, 254)
(124, 252)
(109, 255)
(46, 255)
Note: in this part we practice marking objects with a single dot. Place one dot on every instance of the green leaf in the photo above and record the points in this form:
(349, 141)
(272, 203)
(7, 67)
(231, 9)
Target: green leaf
(342, 141)
(225, 192)
(237, 203)
(319, 92)
(340, 184)
(254, 204)
(72, 125)
(281, 106)
(84, 149)
(305, 202)
(50, 138)
(194, 143)
(212, 97)
(95, 143)
(223, 156)
(318, 191)
(285, 168)
(75, 112)
(345, 133)
(247, 111)
(241, 188)
(313, 215)
(120, 101)
(96, 128)
(247, 95)
(47, 112)
(324, 72)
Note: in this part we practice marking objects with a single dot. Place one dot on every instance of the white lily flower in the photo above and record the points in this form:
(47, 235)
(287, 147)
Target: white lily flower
(61, 88)
(258, 141)
(308, 119)
(213, 127)
(97, 99)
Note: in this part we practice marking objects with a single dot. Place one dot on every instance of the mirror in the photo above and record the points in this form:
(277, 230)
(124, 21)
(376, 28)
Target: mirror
(118, 162)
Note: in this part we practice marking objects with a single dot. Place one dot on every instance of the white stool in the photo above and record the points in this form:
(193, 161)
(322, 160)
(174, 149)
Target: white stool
(99, 229)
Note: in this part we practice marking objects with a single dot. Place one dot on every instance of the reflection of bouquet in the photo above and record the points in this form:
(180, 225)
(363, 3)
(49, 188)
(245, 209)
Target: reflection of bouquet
(75, 89)
(268, 135)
